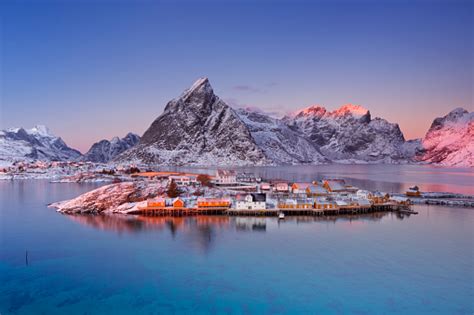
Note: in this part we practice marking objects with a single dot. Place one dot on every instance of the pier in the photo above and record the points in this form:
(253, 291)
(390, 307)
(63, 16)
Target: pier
(182, 211)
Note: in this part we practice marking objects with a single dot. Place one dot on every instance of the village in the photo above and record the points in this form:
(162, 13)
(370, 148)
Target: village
(246, 194)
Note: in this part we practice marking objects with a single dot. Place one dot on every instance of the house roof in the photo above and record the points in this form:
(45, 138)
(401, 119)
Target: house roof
(313, 189)
(335, 185)
(302, 185)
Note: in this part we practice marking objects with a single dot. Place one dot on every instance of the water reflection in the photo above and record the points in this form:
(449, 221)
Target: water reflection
(205, 227)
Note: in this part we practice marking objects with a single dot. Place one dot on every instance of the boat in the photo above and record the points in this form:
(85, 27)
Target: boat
(281, 216)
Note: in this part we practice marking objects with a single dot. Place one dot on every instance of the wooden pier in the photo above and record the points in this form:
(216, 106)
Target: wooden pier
(175, 211)
(317, 212)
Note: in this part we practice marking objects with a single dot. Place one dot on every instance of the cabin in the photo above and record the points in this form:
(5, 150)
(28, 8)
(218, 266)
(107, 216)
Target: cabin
(253, 201)
(156, 203)
(379, 197)
(178, 203)
(281, 187)
(401, 200)
(335, 185)
(364, 194)
(323, 204)
(299, 188)
(413, 192)
(316, 190)
(213, 203)
(225, 177)
(296, 204)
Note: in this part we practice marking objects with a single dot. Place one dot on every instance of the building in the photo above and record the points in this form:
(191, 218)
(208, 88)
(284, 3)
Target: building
(213, 203)
(364, 194)
(156, 203)
(323, 204)
(401, 200)
(316, 190)
(225, 177)
(184, 180)
(335, 185)
(295, 204)
(265, 186)
(251, 202)
(248, 178)
(281, 187)
(299, 188)
(413, 192)
(178, 203)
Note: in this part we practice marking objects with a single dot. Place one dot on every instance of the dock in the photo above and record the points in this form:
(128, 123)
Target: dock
(182, 211)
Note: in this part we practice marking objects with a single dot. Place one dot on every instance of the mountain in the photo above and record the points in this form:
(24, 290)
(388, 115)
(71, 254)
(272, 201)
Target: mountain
(280, 143)
(38, 143)
(197, 128)
(349, 134)
(105, 150)
(450, 140)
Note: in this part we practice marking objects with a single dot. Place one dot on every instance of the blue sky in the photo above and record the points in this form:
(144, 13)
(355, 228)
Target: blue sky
(92, 70)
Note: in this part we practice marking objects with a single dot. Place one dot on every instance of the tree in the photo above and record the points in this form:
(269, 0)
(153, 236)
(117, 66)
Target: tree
(173, 190)
(204, 179)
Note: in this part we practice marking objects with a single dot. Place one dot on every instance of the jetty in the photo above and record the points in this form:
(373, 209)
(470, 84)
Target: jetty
(190, 211)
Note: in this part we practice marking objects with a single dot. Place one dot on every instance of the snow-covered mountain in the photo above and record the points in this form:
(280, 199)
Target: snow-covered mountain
(450, 140)
(105, 150)
(349, 134)
(280, 143)
(197, 128)
(38, 143)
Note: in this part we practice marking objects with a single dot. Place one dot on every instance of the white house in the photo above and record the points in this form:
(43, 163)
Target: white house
(225, 177)
(183, 180)
(251, 202)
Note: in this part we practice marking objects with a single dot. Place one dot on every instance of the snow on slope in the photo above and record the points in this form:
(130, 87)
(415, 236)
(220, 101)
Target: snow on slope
(350, 134)
(105, 150)
(280, 144)
(38, 143)
(197, 128)
(450, 140)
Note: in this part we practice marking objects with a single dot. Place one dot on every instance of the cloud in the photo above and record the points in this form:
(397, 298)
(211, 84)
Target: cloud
(247, 88)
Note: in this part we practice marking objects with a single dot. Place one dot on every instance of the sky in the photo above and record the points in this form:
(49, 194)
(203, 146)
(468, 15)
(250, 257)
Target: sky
(91, 70)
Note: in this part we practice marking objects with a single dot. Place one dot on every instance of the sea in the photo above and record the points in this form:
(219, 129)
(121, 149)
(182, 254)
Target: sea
(378, 263)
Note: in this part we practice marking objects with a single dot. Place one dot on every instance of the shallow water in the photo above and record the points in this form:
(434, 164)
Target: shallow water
(370, 264)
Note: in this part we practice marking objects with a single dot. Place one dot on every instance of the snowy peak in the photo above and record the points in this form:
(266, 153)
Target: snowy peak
(197, 128)
(355, 111)
(37, 143)
(41, 130)
(199, 94)
(313, 111)
(450, 140)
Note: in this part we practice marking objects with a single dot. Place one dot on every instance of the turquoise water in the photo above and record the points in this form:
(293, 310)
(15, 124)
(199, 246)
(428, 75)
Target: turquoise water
(373, 264)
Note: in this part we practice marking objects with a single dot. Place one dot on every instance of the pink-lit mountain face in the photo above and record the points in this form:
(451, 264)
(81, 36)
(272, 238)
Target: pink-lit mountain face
(349, 134)
(450, 140)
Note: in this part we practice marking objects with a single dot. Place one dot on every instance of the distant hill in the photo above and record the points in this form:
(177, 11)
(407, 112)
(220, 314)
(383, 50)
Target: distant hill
(38, 143)
(105, 150)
